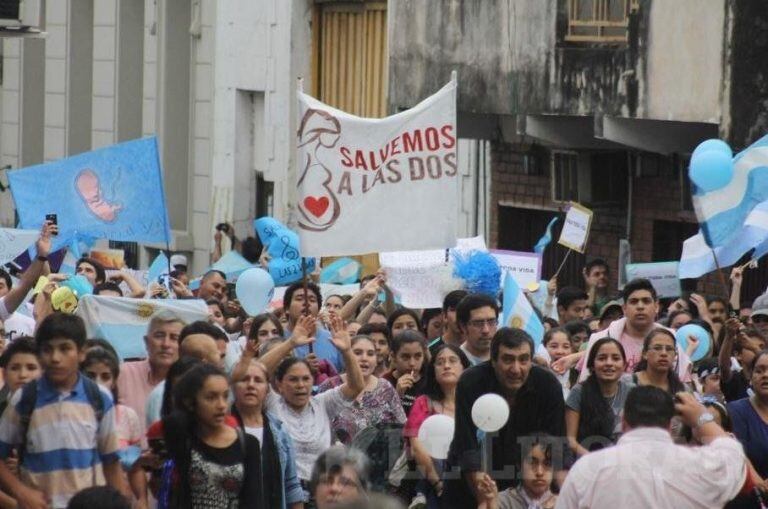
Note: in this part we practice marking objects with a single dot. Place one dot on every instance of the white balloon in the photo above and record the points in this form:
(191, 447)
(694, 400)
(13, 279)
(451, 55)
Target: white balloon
(490, 412)
(436, 433)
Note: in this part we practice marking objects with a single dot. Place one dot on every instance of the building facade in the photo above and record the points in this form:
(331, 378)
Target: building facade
(216, 82)
(595, 101)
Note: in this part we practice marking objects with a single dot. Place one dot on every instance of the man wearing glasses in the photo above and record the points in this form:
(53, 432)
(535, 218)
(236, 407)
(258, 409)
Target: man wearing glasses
(478, 317)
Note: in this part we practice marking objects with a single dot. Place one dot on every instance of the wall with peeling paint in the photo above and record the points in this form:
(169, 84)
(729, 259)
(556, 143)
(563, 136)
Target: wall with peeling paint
(684, 60)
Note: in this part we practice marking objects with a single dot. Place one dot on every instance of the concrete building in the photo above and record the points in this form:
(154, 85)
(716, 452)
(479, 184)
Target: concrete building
(215, 81)
(596, 101)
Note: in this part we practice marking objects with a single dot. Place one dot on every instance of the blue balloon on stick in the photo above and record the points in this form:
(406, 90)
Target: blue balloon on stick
(254, 290)
(697, 331)
(711, 170)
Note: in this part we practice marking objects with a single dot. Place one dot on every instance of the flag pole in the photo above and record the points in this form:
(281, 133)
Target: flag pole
(721, 278)
(557, 273)
(305, 289)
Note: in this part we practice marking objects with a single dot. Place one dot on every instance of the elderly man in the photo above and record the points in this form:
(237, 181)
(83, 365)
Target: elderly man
(138, 378)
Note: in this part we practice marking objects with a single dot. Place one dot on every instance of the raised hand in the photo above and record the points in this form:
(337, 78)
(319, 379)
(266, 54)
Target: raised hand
(304, 330)
(552, 287)
(43, 244)
(339, 335)
(693, 344)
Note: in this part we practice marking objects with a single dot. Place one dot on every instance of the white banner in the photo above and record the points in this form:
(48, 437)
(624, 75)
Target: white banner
(13, 242)
(371, 185)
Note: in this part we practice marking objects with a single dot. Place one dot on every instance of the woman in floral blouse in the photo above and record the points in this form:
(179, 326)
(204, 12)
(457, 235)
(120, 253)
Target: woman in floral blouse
(377, 404)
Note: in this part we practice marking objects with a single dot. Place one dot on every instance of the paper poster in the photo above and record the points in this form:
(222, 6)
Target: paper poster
(576, 227)
(663, 276)
(416, 276)
(525, 268)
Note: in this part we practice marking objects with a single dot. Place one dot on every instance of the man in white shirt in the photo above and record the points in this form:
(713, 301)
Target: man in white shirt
(646, 469)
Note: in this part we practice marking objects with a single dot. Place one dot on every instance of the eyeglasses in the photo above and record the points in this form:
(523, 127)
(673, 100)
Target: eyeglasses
(760, 319)
(479, 324)
(662, 348)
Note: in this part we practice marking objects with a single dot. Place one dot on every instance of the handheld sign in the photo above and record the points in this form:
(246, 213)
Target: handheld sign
(576, 227)
(662, 275)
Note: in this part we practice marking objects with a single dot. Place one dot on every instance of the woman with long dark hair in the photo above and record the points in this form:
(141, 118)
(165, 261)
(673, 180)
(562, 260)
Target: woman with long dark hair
(593, 408)
(442, 377)
(658, 366)
(215, 465)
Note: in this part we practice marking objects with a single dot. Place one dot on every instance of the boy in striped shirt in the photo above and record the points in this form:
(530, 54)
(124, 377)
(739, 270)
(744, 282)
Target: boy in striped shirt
(67, 447)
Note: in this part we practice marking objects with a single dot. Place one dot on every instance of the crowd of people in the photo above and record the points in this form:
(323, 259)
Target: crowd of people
(319, 403)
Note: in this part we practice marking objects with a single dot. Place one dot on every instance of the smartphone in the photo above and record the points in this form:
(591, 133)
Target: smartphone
(158, 447)
(231, 292)
(223, 227)
(53, 219)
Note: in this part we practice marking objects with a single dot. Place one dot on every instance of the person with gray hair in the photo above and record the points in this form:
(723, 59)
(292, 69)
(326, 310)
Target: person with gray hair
(340, 475)
(138, 378)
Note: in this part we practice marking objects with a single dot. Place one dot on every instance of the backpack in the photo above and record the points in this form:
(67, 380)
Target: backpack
(28, 401)
(383, 444)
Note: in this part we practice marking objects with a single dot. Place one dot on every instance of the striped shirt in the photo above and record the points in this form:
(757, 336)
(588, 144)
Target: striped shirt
(65, 444)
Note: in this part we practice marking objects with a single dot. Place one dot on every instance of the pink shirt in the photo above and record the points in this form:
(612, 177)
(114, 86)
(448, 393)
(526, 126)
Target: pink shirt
(134, 386)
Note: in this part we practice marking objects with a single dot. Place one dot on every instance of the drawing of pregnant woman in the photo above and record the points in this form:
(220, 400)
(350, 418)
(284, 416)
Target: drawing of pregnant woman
(319, 208)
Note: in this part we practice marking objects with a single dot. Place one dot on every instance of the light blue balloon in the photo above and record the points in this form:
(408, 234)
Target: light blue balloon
(711, 170)
(699, 333)
(712, 144)
(255, 289)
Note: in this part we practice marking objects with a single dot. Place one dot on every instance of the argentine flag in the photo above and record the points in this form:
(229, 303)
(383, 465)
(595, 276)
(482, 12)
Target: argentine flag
(545, 239)
(518, 312)
(723, 212)
(697, 258)
(123, 322)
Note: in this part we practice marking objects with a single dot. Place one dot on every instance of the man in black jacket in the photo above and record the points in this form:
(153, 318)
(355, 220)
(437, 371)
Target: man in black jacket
(536, 405)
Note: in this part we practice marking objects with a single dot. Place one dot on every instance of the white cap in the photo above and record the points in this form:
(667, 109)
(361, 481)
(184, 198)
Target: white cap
(178, 259)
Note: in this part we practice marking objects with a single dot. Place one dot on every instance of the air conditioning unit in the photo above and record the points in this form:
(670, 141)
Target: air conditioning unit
(21, 14)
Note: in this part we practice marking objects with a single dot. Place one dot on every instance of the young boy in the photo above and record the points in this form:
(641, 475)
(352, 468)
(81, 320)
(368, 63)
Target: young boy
(20, 365)
(66, 447)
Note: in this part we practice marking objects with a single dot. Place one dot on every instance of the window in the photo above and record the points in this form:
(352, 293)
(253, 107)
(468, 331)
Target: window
(565, 171)
(609, 178)
(668, 237)
(349, 59)
(601, 21)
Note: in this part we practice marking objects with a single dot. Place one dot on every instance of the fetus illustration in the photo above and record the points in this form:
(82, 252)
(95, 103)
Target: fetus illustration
(91, 191)
(319, 209)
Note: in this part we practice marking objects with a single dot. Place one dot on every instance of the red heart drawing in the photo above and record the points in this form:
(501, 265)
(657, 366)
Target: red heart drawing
(317, 206)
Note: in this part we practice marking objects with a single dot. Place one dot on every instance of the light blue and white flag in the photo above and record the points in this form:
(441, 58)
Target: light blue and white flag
(123, 322)
(724, 212)
(698, 259)
(343, 271)
(518, 312)
(113, 193)
(545, 239)
(13, 242)
(232, 264)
